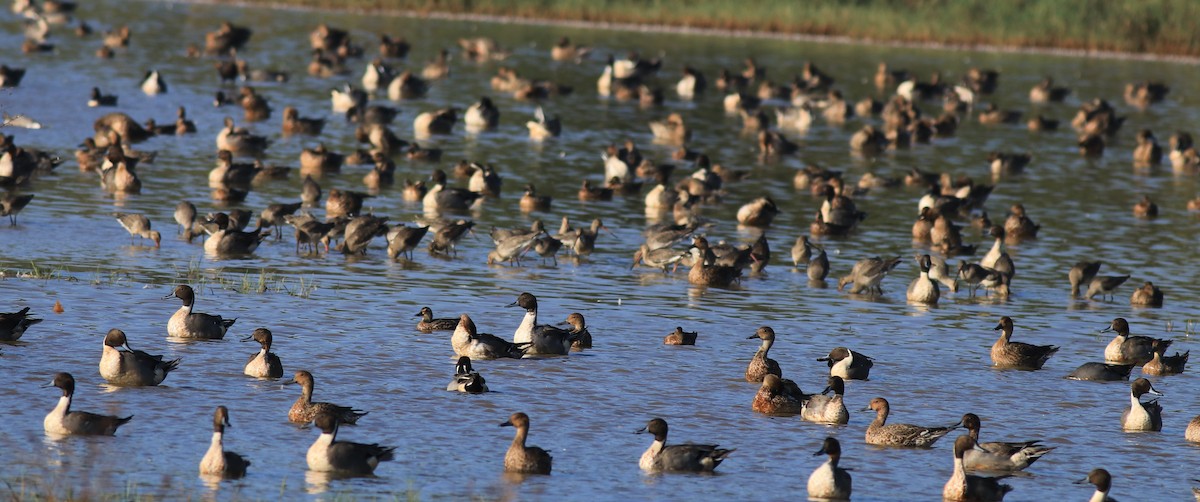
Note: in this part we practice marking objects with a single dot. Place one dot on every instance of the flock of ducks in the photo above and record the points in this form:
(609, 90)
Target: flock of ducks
(796, 105)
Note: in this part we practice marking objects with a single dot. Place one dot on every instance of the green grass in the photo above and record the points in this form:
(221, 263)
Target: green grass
(1138, 26)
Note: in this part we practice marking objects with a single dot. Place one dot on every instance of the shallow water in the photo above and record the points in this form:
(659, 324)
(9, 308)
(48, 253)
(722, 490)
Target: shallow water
(355, 333)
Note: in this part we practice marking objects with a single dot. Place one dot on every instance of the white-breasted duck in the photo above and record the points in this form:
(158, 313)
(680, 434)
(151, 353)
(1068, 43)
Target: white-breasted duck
(469, 342)
(848, 364)
(187, 324)
(543, 339)
(999, 456)
(131, 367)
(830, 482)
(922, 289)
(1142, 416)
(1126, 349)
(264, 363)
(304, 410)
(660, 457)
(825, 409)
(963, 487)
(327, 454)
(217, 461)
(1102, 480)
(63, 422)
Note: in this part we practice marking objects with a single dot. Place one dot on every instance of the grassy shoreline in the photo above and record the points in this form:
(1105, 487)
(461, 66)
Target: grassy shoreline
(1154, 27)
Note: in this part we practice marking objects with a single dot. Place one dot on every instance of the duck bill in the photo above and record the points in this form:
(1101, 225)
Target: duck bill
(507, 424)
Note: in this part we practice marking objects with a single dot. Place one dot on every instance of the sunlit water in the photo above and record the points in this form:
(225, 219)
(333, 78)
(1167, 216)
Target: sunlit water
(355, 330)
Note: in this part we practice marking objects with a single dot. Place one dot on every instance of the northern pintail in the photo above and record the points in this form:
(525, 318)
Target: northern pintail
(671, 130)
(429, 324)
(996, 258)
(564, 50)
(1105, 286)
(466, 379)
(229, 241)
(963, 487)
(758, 212)
(1144, 93)
(1147, 152)
(779, 397)
(1192, 433)
(240, 141)
(848, 364)
(1145, 208)
(11, 76)
(1009, 354)
(838, 209)
(328, 454)
(1147, 296)
(824, 409)
(304, 410)
(217, 461)
(543, 339)
(14, 324)
(153, 83)
(63, 422)
(1162, 364)
(579, 331)
(1018, 226)
(227, 36)
(705, 272)
(1102, 480)
(435, 122)
(468, 342)
(437, 68)
(868, 274)
(1126, 349)
(482, 116)
(542, 127)
(96, 99)
(1101, 372)
(660, 457)
(883, 434)
(131, 367)
(1044, 91)
(868, 141)
(264, 363)
(520, 458)
(680, 337)
(531, 201)
(830, 482)
(254, 106)
(999, 456)
(1139, 416)
(138, 225)
(319, 160)
(760, 365)
(441, 198)
(344, 203)
(484, 180)
(187, 324)
(293, 123)
(922, 289)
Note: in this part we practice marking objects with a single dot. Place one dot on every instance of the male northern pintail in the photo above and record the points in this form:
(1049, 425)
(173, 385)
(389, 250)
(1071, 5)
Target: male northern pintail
(138, 225)
(824, 409)
(482, 116)
(96, 98)
(520, 458)
(922, 289)
(439, 197)
(187, 324)
(680, 337)
(264, 363)
(778, 396)
(304, 410)
(1126, 349)
(671, 130)
(14, 324)
(434, 122)
(62, 421)
(466, 379)
(217, 461)
(1139, 416)
(1009, 354)
(761, 365)
(468, 342)
(660, 457)
(1101, 372)
(429, 324)
(579, 331)
(1105, 286)
(542, 127)
(328, 454)
(1162, 364)
(131, 367)
(848, 364)
(1147, 296)
(240, 141)
(153, 83)
(868, 274)
(963, 487)
(1045, 91)
(758, 212)
(999, 456)
(1102, 480)
(996, 258)
(883, 434)
(830, 482)
(1147, 152)
(543, 339)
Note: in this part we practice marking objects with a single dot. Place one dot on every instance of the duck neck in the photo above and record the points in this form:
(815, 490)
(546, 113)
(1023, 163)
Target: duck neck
(524, 331)
(764, 348)
(306, 391)
(996, 247)
(63, 407)
(1099, 496)
(880, 418)
(834, 459)
(325, 439)
(217, 444)
(1134, 402)
(519, 439)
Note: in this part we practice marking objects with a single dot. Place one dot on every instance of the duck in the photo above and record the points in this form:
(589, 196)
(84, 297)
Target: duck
(824, 409)
(999, 456)
(848, 364)
(61, 421)
(1142, 417)
(483, 115)
(11, 76)
(997, 258)
(758, 212)
(1145, 208)
(304, 410)
(542, 339)
(531, 201)
(1082, 273)
(705, 272)
(1018, 226)
(963, 487)
(1101, 372)
(240, 141)
(293, 123)
(883, 434)
(97, 99)
(671, 130)
(582, 338)
(830, 482)
(923, 290)
(691, 84)
(187, 324)
(435, 122)
(1147, 152)
(14, 324)
(680, 337)
(439, 67)
(407, 86)
(153, 84)
(520, 458)
(1125, 349)
(1045, 92)
(1039, 123)
(482, 346)
(663, 458)
(229, 241)
(254, 106)
(1008, 354)
(542, 127)
(1162, 364)
(1102, 480)
(868, 274)
(429, 324)
(217, 461)
(564, 50)
(441, 198)
(466, 380)
(589, 193)
(344, 203)
(264, 363)
(132, 368)
(779, 397)
(1147, 296)
(760, 365)
(393, 47)
(327, 454)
